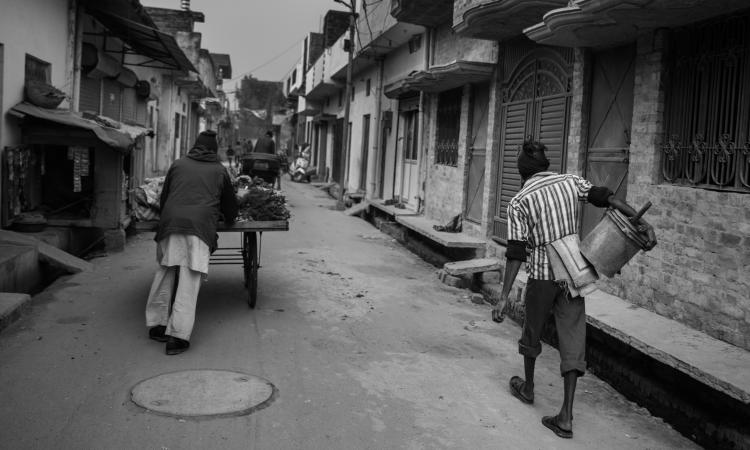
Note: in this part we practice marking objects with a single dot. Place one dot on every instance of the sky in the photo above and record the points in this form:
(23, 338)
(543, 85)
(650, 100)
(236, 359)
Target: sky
(263, 37)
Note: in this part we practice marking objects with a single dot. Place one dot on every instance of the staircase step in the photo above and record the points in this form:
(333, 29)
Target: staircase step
(472, 266)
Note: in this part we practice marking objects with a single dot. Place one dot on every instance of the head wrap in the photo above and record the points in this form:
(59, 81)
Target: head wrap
(207, 140)
(532, 159)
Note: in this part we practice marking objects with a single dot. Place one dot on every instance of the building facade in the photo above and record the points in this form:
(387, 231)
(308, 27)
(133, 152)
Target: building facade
(647, 98)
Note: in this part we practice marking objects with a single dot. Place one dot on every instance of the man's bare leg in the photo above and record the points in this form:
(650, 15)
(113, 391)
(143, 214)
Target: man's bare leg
(528, 366)
(565, 418)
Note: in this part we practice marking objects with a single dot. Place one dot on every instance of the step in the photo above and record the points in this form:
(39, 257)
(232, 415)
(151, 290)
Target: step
(472, 266)
(12, 305)
(19, 267)
(47, 253)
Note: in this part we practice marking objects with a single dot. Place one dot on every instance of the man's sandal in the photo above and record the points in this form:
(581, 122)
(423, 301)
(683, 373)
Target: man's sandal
(516, 388)
(551, 423)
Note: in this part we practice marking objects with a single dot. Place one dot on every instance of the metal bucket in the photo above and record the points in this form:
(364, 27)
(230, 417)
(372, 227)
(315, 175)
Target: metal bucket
(612, 243)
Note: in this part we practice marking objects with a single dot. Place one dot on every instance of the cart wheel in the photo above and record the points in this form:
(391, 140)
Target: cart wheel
(250, 254)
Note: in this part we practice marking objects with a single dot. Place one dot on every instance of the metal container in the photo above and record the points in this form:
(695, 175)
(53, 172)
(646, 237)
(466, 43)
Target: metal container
(612, 243)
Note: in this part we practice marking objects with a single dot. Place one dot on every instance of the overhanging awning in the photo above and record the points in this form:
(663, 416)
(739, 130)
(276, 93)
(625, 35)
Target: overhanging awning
(441, 78)
(161, 48)
(119, 139)
(609, 23)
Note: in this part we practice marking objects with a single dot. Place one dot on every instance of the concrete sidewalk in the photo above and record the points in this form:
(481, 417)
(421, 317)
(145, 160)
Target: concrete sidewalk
(366, 348)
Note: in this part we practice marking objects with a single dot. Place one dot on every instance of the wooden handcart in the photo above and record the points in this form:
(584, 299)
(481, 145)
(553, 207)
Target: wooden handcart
(247, 254)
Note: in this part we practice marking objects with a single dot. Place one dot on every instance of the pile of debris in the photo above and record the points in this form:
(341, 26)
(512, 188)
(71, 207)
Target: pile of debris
(146, 199)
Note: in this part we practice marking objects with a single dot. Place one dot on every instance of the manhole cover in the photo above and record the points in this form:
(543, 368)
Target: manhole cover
(201, 393)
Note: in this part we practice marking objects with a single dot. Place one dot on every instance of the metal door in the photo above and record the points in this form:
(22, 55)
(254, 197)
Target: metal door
(477, 153)
(536, 105)
(609, 126)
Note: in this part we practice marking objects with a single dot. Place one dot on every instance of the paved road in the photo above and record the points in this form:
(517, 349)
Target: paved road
(367, 349)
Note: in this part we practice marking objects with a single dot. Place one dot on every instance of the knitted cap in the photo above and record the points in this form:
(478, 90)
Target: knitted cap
(207, 140)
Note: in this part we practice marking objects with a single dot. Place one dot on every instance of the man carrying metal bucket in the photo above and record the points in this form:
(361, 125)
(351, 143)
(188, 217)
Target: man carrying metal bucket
(545, 210)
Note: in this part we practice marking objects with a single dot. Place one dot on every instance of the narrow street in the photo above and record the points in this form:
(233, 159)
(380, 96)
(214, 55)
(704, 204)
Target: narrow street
(368, 350)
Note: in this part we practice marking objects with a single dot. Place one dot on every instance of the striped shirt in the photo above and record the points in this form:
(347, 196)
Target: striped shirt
(547, 208)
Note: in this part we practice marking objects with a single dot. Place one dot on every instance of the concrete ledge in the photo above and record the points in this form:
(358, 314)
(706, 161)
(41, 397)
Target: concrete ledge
(715, 363)
(12, 306)
(423, 226)
(390, 209)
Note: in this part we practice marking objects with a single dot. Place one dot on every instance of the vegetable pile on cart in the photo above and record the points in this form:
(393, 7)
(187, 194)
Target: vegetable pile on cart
(261, 208)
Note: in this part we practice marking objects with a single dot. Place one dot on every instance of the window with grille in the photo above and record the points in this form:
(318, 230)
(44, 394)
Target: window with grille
(707, 142)
(448, 123)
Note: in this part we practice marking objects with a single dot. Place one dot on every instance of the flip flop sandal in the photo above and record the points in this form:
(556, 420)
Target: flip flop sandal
(498, 317)
(516, 385)
(551, 423)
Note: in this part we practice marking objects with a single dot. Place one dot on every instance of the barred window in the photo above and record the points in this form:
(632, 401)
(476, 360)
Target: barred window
(448, 122)
(707, 122)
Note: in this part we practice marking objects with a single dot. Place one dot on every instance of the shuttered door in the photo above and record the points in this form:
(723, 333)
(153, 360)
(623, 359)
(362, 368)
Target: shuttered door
(141, 113)
(90, 95)
(112, 100)
(537, 106)
(514, 125)
(552, 128)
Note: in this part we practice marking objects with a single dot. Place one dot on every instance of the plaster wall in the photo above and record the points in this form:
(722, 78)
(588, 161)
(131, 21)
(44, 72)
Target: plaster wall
(40, 29)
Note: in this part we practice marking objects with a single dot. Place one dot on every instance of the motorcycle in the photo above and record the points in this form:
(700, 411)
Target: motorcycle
(301, 169)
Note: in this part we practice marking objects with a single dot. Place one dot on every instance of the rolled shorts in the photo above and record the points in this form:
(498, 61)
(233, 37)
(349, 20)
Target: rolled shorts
(545, 297)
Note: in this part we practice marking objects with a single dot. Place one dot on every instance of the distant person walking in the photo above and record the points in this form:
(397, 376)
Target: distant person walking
(230, 155)
(266, 144)
(197, 194)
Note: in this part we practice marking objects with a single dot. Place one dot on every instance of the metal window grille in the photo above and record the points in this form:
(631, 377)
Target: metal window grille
(448, 123)
(708, 106)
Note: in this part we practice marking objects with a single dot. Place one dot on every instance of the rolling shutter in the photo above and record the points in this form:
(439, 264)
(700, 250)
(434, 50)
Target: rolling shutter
(90, 99)
(112, 100)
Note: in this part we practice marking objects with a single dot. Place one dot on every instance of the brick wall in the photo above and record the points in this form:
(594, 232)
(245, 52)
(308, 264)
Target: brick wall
(171, 21)
(335, 24)
(698, 274)
(315, 48)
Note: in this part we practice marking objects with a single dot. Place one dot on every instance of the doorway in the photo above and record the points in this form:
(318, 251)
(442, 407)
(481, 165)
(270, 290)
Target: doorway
(407, 146)
(608, 152)
(365, 152)
(536, 106)
(477, 153)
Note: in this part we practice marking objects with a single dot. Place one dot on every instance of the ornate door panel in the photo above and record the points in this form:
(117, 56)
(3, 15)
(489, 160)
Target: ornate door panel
(610, 120)
(536, 105)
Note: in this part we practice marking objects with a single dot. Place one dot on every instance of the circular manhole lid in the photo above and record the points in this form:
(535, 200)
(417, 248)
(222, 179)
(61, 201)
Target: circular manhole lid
(203, 393)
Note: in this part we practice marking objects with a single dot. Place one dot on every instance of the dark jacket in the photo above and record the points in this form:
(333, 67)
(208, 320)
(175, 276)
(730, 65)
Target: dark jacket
(265, 145)
(197, 193)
